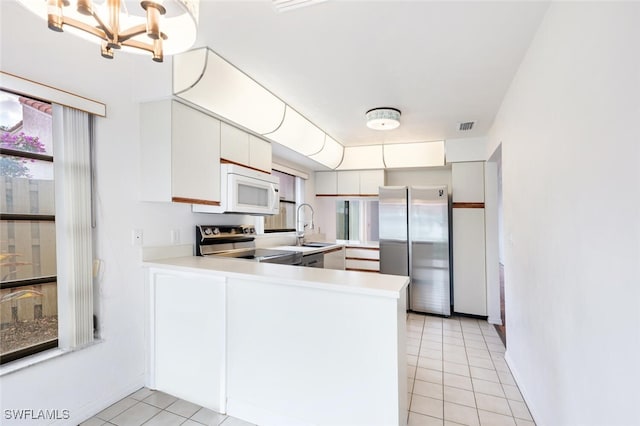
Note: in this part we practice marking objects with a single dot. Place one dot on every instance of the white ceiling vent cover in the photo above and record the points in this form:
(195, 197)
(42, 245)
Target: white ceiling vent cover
(466, 126)
(286, 5)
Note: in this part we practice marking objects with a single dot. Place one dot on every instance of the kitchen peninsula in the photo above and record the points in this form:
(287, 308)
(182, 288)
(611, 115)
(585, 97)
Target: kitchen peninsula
(278, 344)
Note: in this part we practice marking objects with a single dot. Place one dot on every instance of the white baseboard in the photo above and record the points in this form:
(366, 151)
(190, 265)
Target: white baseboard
(79, 415)
(518, 378)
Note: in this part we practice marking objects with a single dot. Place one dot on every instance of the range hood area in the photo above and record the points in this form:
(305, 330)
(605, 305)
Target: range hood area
(203, 78)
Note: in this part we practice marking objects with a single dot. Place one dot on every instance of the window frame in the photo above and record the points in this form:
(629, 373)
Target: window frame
(28, 282)
(76, 325)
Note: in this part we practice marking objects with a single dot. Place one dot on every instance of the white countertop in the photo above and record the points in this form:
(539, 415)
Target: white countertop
(355, 282)
(308, 250)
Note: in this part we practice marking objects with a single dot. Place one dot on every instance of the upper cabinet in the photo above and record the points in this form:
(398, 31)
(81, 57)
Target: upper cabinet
(467, 182)
(259, 154)
(240, 147)
(349, 183)
(180, 154)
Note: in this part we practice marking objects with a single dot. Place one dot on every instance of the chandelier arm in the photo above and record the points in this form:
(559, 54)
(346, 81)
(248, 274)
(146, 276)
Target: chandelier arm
(138, 45)
(98, 32)
(132, 32)
(105, 28)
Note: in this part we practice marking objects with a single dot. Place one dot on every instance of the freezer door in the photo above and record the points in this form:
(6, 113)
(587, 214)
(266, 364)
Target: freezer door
(429, 250)
(394, 257)
(393, 231)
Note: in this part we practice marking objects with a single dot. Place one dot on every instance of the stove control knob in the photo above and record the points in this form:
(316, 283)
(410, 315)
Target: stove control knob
(207, 231)
(216, 231)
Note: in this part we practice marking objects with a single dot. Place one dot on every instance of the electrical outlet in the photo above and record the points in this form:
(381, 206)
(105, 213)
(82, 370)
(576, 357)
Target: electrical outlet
(175, 236)
(136, 237)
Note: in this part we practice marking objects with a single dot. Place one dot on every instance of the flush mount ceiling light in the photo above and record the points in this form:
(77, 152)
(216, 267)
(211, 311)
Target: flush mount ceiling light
(155, 26)
(383, 118)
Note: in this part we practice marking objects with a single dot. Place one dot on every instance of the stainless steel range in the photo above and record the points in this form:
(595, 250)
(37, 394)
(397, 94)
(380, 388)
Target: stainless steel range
(239, 242)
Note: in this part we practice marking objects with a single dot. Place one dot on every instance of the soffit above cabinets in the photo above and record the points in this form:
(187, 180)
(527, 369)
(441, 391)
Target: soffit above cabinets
(298, 133)
(205, 79)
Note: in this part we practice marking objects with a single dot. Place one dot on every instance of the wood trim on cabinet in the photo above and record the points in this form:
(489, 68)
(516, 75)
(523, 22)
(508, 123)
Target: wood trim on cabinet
(333, 250)
(362, 270)
(225, 161)
(364, 248)
(468, 205)
(362, 258)
(346, 195)
(194, 201)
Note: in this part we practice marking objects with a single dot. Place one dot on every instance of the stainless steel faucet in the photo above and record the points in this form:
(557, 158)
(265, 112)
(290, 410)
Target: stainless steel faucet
(300, 234)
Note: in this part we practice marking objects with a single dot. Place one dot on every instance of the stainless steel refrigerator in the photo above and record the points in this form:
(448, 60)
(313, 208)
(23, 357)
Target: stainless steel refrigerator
(414, 241)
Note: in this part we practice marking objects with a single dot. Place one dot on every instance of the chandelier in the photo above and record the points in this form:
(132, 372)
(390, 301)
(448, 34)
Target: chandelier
(158, 27)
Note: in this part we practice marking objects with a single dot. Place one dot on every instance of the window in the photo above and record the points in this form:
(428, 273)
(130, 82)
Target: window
(46, 252)
(357, 220)
(28, 282)
(285, 219)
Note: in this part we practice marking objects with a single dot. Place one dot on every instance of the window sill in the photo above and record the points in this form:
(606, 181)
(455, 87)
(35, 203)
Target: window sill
(26, 362)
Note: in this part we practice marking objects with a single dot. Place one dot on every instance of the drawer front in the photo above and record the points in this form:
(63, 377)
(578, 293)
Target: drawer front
(362, 253)
(363, 265)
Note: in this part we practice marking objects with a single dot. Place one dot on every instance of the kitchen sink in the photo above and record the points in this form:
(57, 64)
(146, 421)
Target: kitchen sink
(318, 244)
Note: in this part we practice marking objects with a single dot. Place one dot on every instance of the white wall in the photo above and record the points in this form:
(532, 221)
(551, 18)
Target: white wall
(466, 149)
(88, 380)
(571, 208)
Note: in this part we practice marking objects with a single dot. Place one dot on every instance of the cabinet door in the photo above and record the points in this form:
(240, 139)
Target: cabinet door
(469, 284)
(195, 156)
(334, 259)
(179, 341)
(234, 144)
(349, 182)
(259, 154)
(467, 182)
(326, 183)
(370, 181)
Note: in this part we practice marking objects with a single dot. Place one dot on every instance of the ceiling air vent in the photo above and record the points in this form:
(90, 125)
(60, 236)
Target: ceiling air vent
(286, 5)
(465, 127)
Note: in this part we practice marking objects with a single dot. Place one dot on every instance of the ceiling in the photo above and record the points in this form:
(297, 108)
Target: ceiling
(440, 63)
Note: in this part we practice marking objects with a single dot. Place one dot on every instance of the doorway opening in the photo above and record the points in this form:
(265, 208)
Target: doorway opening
(497, 159)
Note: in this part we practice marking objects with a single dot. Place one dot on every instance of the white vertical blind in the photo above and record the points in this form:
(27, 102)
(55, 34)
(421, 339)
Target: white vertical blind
(72, 168)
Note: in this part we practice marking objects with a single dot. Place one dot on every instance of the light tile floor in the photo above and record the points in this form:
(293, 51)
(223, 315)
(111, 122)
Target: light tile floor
(153, 408)
(457, 376)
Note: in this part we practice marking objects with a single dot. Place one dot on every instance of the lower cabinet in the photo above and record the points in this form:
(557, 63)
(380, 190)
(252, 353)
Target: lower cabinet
(366, 259)
(334, 259)
(469, 280)
(184, 362)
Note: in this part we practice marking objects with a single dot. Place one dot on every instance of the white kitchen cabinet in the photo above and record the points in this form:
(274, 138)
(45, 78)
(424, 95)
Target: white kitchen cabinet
(469, 282)
(349, 182)
(180, 154)
(370, 181)
(467, 182)
(240, 147)
(326, 183)
(334, 259)
(362, 259)
(259, 154)
(234, 144)
(188, 337)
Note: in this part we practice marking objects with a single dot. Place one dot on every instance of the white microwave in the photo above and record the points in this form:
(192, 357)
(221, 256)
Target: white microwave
(245, 191)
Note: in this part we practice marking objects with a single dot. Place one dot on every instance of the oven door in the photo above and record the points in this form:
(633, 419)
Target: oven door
(246, 194)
